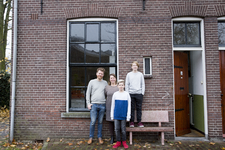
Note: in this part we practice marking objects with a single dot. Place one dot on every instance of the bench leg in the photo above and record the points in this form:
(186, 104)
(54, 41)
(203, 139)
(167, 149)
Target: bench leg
(162, 138)
(130, 138)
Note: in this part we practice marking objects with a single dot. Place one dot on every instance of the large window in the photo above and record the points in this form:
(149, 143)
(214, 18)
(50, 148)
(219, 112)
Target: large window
(186, 34)
(92, 44)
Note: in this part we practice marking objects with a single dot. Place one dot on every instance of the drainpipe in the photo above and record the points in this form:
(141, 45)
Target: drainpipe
(14, 70)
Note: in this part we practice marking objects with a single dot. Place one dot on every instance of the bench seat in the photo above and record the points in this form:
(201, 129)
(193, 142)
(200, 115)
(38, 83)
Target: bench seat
(152, 116)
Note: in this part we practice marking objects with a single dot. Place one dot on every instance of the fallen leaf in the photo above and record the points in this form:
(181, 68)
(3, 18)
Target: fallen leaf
(179, 142)
(191, 145)
(12, 145)
(6, 145)
(23, 148)
(171, 144)
(48, 139)
(61, 140)
(211, 143)
(70, 144)
(223, 148)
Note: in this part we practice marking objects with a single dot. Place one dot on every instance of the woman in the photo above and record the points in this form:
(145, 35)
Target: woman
(109, 91)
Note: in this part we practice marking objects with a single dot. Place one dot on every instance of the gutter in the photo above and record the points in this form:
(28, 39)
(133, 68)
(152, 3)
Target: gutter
(13, 98)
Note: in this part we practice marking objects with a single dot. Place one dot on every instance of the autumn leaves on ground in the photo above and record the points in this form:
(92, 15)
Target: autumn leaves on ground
(4, 135)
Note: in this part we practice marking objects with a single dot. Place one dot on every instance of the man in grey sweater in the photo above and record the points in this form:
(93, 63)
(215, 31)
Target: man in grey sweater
(135, 86)
(95, 99)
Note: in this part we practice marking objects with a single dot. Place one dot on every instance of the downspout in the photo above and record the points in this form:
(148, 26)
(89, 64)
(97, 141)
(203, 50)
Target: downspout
(14, 70)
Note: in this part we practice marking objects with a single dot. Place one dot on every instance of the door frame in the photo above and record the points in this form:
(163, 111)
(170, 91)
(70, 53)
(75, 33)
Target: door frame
(202, 49)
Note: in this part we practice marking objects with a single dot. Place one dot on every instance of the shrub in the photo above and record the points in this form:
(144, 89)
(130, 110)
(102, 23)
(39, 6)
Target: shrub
(4, 89)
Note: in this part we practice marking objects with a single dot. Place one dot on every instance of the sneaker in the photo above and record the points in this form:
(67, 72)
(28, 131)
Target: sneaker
(140, 125)
(132, 124)
(125, 144)
(118, 143)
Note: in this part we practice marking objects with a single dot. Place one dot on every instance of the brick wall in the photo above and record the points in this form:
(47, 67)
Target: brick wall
(41, 67)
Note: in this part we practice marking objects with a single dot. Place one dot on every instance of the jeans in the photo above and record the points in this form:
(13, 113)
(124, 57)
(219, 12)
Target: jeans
(97, 111)
(120, 124)
(136, 100)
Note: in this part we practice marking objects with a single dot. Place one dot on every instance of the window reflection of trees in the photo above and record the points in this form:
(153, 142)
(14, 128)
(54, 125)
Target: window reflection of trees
(221, 33)
(186, 34)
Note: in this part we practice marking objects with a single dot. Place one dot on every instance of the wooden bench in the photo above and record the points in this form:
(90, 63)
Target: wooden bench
(152, 116)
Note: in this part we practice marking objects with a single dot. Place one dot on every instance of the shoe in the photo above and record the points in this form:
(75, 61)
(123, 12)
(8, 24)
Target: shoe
(100, 141)
(112, 140)
(132, 124)
(125, 144)
(118, 143)
(89, 141)
(140, 125)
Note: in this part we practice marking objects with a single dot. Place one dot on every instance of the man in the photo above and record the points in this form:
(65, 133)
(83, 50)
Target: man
(135, 86)
(95, 99)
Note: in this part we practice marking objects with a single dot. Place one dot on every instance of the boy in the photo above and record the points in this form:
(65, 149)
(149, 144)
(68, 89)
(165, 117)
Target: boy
(120, 112)
(135, 86)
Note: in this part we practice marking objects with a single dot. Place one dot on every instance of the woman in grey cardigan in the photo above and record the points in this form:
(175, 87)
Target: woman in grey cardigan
(109, 91)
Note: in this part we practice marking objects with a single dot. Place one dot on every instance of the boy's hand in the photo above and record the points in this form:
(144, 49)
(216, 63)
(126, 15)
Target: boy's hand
(89, 106)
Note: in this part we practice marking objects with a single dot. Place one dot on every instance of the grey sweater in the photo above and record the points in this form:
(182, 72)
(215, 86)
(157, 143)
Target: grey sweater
(135, 83)
(95, 92)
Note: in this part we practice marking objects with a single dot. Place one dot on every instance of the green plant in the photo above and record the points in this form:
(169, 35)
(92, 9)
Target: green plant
(4, 89)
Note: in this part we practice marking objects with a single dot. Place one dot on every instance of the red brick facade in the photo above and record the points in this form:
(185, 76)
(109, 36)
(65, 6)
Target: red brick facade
(42, 59)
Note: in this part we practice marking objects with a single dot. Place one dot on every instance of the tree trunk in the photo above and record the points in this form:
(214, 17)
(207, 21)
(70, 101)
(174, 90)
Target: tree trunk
(4, 11)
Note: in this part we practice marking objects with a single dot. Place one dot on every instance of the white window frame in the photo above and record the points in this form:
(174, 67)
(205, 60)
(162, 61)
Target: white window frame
(67, 67)
(149, 65)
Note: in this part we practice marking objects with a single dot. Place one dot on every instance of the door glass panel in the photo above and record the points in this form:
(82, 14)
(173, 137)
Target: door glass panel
(77, 33)
(108, 53)
(77, 53)
(179, 34)
(108, 32)
(92, 32)
(92, 53)
(193, 34)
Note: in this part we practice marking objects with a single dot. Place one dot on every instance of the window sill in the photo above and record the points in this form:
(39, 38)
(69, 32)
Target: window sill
(148, 76)
(75, 115)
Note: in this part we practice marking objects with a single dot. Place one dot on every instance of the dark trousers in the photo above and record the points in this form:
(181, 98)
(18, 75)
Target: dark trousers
(120, 124)
(111, 128)
(136, 100)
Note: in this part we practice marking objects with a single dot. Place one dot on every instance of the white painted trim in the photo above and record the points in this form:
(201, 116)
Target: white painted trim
(150, 63)
(202, 48)
(221, 48)
(67, 67)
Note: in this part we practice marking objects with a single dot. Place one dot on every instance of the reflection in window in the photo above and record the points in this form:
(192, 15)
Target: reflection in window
(91, 45)
(186, 34)
(147, 66)
(221, 33)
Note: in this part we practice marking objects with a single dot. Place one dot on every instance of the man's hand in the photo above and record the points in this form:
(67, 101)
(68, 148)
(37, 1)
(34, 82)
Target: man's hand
(89, 106)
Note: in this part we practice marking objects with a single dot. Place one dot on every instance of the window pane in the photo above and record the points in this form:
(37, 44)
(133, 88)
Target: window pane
(92, 53)
(108, 53)
(147, 65)
(77, 76)
(193, 34)
(77, 98)
(77, 33)
(221, 32)
(77, 53)
(179, 34)
(108, 32)
(92, 32)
